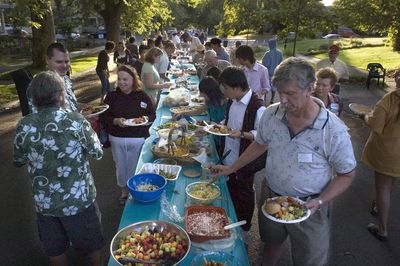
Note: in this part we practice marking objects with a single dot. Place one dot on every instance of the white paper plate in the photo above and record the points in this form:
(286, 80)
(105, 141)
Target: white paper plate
(102, 108)
(207, 129)
(359, 109)
(129, 122)
(273, 218)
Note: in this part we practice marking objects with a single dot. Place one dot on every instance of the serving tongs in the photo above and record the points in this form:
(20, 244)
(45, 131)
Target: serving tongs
(219, 162)
(171, 144)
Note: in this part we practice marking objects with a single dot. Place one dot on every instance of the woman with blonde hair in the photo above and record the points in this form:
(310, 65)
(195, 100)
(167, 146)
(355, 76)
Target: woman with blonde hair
(382, 153)
(326, 81)
(150, 77)
(127, 102)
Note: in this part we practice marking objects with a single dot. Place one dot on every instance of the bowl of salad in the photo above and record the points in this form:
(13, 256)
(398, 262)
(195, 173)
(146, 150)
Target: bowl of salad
(146, 187)
(202, 193)
(151, 242)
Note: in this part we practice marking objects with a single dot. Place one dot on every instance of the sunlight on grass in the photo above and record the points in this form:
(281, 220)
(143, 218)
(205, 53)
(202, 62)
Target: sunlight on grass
(80, 64)
(8, 93)
(360, 57)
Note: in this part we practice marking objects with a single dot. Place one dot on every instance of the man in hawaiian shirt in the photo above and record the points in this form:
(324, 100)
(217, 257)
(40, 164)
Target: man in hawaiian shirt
(57, 60)
(56, 144)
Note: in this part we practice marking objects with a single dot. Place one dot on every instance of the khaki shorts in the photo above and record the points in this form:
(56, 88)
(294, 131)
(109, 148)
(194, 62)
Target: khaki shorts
(309, 239)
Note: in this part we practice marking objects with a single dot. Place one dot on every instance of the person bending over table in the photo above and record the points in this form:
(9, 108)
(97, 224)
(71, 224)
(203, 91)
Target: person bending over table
(127, 102)
(211, 60)
(56, 144)
(243, 113)
(304, 142)
(150, 77)
(326, 82)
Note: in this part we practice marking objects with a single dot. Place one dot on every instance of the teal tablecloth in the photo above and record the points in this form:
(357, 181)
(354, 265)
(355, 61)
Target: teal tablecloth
(175, 192)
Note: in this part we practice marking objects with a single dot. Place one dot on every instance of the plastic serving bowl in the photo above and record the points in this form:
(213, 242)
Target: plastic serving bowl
(221, 257)
(146, 179)
(159, 226)
(202, 200)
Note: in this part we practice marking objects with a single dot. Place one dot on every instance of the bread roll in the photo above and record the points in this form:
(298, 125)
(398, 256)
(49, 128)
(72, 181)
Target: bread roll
(272, 207)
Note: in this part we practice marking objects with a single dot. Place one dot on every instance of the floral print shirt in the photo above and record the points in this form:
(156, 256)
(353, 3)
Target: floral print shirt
(71, 104)
(55, 145)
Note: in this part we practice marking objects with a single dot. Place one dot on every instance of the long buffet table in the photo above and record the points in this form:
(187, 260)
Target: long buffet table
(175, 192)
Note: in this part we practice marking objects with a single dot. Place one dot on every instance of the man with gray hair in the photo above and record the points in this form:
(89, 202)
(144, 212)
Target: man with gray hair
(211, 60)
(56, 145)
(305, 142)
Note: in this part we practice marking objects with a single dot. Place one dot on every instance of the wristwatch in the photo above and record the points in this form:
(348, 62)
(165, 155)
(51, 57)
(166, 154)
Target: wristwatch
(242, 134)
(320, 202)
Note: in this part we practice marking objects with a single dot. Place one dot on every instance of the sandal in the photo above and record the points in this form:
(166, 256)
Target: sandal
(123, 199)
(374, 230)
(374, 209)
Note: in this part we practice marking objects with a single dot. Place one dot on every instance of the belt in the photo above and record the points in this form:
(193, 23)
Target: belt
(302, 198)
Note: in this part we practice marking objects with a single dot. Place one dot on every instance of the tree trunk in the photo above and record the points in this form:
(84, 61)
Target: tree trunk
(44, 35)
(112, 19)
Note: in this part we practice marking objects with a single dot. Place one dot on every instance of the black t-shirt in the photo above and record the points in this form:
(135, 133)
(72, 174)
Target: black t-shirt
(102, 61)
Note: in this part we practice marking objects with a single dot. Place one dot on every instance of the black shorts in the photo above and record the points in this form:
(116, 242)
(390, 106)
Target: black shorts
(82, 230)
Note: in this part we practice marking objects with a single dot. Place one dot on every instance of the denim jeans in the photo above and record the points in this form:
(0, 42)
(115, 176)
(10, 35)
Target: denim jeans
(105, 84)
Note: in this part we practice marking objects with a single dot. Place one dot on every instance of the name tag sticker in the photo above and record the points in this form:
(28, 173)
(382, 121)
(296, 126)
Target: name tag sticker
(143, 105)
(304, 157)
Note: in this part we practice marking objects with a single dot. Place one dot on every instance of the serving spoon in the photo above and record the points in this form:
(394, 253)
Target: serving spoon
(233, 225)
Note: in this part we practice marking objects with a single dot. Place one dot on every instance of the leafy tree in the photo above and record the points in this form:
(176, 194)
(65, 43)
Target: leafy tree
(373, 16)
(68, 15)
(277, 16)
(42, 22)
(146, 15)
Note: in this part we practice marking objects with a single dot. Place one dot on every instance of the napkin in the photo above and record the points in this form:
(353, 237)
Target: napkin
(162, 142)
(202, 157)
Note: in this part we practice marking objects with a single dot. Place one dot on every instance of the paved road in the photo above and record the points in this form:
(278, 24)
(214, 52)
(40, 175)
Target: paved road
(351, 243)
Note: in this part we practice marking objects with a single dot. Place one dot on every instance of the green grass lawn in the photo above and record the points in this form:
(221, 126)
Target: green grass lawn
(78, 64)
(360, 57)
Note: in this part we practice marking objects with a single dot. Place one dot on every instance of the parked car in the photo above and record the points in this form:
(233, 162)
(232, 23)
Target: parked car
(100, 34)
(171, 30)
(331, 36)
(347, 32)
(64, 36)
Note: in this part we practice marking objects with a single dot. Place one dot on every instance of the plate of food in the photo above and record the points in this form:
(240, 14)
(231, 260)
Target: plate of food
(135, 122)
(197, 100)
(201, 123)
(285, 209)
(359, 109)
(94, 110)
(217, 129)
(183, 109)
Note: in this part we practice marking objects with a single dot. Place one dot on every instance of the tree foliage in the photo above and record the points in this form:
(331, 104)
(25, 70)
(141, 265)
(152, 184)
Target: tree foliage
(145, 16)
(38, 14)
(373, 16)
(276, 16)
(203, 14)
(68, 14)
